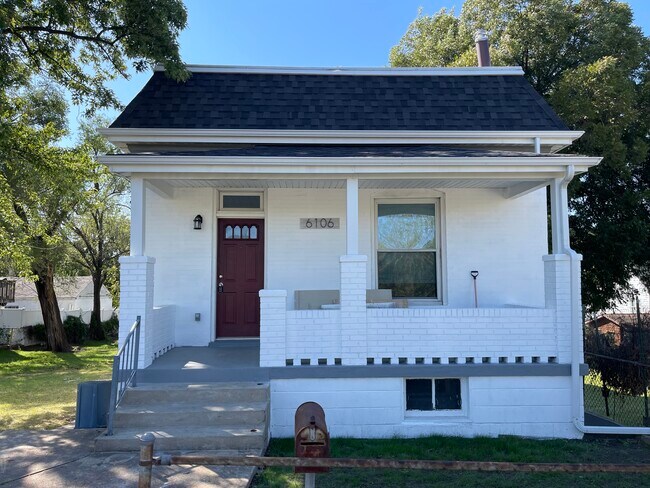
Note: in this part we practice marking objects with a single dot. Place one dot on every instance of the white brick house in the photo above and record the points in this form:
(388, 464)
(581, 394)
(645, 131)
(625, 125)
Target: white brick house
(342, 214)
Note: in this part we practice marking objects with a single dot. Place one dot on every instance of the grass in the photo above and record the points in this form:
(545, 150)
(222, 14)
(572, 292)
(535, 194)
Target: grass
(478, 449)
(624, 409)
(39, 388)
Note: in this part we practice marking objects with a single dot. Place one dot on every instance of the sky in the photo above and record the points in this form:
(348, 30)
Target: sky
(298, 33)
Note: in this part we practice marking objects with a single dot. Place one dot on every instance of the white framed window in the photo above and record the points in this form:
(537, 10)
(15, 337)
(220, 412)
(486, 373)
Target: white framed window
(241, 201)
(435, 397)
(407, 244)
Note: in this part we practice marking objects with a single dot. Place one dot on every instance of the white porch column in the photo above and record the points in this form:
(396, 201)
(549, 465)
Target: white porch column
(136, 299)
(138, 206)
(352, 216)
(559, 217)
(273, 328)
(354, 345)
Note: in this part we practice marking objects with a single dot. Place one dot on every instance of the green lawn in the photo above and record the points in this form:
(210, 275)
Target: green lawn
(478, 449)
(39, 389)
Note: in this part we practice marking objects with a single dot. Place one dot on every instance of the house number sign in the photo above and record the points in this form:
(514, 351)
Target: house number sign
(320, 223)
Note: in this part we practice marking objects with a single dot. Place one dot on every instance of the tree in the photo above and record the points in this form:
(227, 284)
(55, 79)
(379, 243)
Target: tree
(83, 44)
(99, 231)
(591, 63)
(78, 46)
(41, 184)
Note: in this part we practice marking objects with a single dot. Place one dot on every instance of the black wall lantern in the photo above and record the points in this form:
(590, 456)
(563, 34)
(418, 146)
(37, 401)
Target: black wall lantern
(198, 222)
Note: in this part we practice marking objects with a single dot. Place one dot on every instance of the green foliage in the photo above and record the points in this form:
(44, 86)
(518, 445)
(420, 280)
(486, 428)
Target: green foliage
(83, 44)
(75, 330)
(41, 184)
(37, 333)
(111, 327)
(592, 64)
(99, 230)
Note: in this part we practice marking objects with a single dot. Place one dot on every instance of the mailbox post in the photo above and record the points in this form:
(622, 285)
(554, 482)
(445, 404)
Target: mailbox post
(312, 440)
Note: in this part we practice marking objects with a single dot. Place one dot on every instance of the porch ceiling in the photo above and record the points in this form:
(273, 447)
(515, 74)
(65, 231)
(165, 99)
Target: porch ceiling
(364, 184)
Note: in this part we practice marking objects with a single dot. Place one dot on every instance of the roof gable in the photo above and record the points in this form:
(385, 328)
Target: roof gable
(287, 100)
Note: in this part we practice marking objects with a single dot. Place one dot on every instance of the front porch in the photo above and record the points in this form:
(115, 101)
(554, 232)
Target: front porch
(469, 210)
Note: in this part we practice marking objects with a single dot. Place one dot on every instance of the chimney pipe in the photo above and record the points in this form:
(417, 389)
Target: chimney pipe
(482, 48)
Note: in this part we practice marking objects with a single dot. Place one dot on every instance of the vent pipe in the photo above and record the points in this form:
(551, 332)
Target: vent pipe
(482, 48)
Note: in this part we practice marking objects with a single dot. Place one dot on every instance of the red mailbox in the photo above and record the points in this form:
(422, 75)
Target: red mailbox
(311, 436)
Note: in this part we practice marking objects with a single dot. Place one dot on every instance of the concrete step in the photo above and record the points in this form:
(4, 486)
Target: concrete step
(187, 438)
(155, 393)
(156, 415)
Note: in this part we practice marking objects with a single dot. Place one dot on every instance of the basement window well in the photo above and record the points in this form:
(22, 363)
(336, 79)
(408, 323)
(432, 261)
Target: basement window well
(426, 395)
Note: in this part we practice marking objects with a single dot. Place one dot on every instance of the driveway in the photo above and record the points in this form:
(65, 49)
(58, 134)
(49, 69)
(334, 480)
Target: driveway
(64, 457)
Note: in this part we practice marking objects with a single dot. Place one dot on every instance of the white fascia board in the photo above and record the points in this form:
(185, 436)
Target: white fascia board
(356, 71)
(123, 136)
(280, 165)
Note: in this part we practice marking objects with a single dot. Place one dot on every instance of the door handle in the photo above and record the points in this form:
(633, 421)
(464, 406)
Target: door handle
(220, 287)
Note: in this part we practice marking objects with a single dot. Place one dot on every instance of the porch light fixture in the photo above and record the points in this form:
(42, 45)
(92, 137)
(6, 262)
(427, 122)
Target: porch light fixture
(198, 222)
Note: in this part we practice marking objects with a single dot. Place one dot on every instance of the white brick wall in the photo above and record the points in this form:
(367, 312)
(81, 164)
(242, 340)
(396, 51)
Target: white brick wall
(375, 407)
(136, 299)
(518, 334)
(163, 323)
(461, 334)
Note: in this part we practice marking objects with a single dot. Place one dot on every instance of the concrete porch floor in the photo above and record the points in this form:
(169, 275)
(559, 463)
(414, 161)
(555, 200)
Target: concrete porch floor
(232, 360)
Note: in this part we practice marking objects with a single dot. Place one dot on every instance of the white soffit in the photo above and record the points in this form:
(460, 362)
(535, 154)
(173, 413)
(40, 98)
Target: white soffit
(339, 184)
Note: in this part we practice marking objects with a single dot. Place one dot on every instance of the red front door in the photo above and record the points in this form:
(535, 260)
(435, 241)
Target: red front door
(240, 277)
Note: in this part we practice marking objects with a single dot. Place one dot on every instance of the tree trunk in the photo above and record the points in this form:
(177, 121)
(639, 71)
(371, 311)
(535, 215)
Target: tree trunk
(96, 331)
(56, 339)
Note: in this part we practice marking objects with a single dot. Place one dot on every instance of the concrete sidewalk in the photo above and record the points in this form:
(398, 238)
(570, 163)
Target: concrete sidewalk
(64, 457)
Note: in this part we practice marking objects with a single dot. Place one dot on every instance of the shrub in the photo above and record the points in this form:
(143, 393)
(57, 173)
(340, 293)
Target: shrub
(111, 327)
(37, 333)
(75, 330)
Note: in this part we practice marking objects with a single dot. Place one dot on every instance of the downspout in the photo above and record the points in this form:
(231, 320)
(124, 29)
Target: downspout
(577, 340)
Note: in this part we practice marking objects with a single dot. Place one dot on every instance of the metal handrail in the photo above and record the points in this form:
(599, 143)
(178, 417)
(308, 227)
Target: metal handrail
(125, 367)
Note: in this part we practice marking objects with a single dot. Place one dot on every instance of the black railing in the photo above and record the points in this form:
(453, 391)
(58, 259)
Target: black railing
(125, 367)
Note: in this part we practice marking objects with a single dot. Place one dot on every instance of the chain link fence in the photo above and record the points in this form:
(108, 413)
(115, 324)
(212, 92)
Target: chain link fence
(616, 388)
(612, 405)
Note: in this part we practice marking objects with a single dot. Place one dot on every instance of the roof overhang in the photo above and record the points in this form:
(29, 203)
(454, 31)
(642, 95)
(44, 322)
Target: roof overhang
(552, 140)
(466, 167)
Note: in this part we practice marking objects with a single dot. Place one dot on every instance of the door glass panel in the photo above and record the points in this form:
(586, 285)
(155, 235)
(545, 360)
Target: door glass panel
(406, 226)
(253, 232)
(229, 232)
(237, 232)
(244, 232)
(408, 274)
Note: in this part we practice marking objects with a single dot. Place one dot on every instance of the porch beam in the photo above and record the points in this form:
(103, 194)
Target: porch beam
(161, 188)
(352, 216)
(138, 206)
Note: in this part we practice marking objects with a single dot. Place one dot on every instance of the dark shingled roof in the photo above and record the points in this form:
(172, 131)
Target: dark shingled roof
(227, 100)
(348, 151)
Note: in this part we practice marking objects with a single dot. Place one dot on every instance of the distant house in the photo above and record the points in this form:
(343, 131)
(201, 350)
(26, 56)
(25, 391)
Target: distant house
(74, 294)
(612, 324)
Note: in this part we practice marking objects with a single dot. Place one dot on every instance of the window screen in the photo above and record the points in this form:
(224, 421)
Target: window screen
(241, 201)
